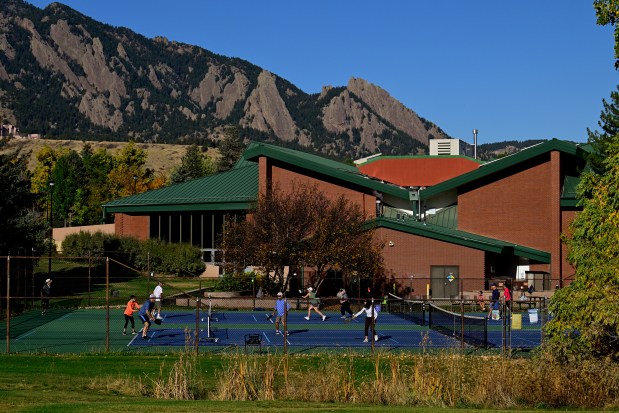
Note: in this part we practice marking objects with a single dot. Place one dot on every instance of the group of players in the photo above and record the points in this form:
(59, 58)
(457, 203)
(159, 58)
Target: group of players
(150, 311)
(371, 313)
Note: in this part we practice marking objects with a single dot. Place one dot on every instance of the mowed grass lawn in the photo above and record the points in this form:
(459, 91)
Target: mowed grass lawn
(80, 383)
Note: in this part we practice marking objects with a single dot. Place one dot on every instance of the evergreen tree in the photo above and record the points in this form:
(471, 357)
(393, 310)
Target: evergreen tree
(193, 165)
(230, 149)
(22, 230)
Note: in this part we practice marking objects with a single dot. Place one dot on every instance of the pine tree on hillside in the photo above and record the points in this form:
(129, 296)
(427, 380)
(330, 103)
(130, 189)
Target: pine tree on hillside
(230, 149)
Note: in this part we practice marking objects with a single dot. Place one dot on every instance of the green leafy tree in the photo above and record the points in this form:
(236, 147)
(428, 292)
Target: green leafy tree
(586, 312)
(230, 149)
(607, 12)
(68, 177)
(585, 321)
(96, 189)
(193, 165)
(128, 175)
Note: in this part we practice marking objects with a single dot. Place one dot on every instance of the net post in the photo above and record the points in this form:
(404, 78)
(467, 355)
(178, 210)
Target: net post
(462, 325)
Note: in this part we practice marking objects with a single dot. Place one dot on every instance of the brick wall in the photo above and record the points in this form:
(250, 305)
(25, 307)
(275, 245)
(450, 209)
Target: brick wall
(414, 255)
(514, 208)
(132, 225)
(286, 179)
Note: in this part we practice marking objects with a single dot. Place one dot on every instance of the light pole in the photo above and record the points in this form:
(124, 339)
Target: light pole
(51, 227)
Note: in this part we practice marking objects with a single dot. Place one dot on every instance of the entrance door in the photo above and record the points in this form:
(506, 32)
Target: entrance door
(445, 281)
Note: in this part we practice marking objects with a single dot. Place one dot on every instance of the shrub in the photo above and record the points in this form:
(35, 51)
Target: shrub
(236, 282)
(158, 256)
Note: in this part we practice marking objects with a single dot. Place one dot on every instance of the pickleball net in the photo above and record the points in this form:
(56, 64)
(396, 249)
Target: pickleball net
(472, 330)
(411, 310)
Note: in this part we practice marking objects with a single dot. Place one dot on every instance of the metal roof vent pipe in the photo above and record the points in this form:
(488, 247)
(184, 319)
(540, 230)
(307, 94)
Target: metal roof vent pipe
(475, 131)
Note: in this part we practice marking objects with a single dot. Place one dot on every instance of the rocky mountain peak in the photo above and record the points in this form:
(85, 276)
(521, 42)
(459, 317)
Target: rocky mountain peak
(64, 74)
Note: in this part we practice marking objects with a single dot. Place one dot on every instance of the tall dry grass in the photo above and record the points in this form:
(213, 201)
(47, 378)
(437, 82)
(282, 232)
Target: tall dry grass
(443, 380)
(181, 381)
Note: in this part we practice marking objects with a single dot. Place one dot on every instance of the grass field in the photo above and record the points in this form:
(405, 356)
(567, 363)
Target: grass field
(99, 383)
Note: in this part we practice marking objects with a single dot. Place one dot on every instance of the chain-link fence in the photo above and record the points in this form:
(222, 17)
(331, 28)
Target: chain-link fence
(84, 311)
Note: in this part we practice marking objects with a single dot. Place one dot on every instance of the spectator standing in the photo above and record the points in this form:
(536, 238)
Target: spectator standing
(46, 292)
(344, 303)
(507, 294)
(496, 295)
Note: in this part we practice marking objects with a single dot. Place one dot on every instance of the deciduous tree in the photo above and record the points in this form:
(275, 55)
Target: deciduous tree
(585, 319)
(303, 228)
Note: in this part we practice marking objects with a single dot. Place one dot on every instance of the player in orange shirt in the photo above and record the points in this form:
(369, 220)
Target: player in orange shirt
(129, 310)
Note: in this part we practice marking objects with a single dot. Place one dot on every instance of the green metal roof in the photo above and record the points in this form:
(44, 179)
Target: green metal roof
(236, 189)
(466, 239)
(324, 166)
(504, 163)
(446, 217)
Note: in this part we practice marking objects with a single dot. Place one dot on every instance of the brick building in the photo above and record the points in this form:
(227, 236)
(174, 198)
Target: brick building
(498, 220)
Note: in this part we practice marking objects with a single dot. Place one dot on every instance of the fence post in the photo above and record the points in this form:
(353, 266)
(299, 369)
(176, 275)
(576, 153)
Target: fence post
(373, 326)
(107, 304)
(197, 333)
(462, 325)
(285, 332)
(8, 304)
(89, 264)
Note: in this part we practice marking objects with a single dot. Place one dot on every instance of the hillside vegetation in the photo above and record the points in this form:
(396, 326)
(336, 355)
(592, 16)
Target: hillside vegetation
(162, 158)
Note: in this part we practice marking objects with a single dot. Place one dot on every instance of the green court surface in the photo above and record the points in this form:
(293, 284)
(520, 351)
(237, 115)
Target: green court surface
(84, 331)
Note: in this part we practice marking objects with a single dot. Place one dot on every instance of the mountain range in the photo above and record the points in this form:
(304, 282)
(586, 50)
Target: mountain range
(65, 75)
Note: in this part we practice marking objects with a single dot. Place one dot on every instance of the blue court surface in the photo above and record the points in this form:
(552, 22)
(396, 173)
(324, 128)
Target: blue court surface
(233, 328)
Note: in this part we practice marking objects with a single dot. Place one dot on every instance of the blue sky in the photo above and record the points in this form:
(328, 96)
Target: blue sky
(513, 69)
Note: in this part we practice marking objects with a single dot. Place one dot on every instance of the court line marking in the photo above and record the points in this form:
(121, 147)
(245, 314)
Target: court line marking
(64, 316)
(265, 336)
(26, 334)
(134, 337)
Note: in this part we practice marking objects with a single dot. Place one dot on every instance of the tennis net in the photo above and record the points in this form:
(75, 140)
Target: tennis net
(471, 329)
(410, 310)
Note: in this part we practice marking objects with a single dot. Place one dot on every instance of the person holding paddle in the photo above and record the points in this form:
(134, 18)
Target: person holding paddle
(370, 319)
(132, 306)
(344, 303)
(146, 315)
(313, 303)
(280, 310)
